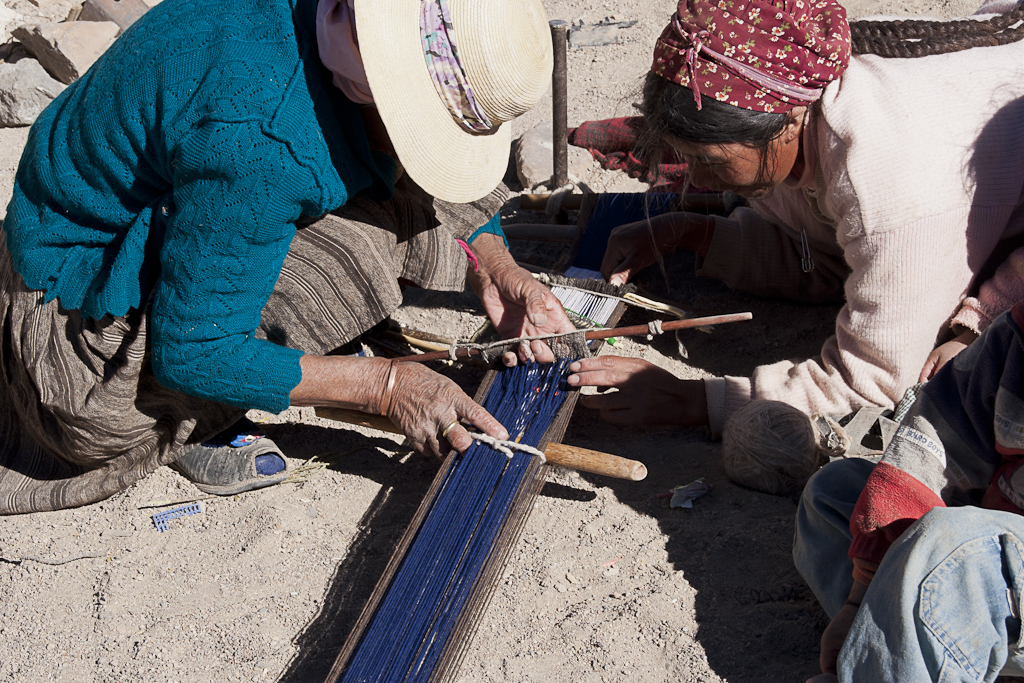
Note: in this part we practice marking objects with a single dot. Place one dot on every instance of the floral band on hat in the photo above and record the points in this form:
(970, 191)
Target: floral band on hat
(446, 69)
(762, 55)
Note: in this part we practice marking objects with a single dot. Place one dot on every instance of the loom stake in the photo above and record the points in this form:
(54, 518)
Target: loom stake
(573, 457)
(630, 331)
(560, 104)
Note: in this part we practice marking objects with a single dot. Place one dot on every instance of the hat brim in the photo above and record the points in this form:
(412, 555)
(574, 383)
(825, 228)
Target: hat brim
(443, 158)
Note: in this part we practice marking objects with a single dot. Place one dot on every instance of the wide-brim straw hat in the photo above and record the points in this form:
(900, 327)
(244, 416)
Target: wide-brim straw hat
(505, 47)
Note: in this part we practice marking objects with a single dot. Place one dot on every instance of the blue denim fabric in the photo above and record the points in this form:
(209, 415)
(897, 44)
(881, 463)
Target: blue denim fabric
(823, 529)
(944, 604)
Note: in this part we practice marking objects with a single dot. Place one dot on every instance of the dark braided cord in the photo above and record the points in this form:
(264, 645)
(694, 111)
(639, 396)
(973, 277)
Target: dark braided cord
(915, 38)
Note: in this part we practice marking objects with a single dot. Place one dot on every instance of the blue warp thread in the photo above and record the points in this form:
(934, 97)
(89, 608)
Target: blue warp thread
(413, 622)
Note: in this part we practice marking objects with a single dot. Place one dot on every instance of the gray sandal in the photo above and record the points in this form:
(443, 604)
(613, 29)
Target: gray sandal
(224, 470)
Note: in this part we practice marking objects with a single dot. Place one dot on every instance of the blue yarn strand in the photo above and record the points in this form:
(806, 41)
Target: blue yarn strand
(421, 608)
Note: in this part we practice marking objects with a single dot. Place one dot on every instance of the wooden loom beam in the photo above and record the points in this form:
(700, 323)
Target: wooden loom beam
(573, 457)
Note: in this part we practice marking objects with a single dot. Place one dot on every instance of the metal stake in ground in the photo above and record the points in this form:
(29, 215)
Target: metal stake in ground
(560, 104)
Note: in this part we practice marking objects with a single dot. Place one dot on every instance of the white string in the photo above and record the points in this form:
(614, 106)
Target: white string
(654, 328)
(556, 197)
(507, 447)
(504, 343)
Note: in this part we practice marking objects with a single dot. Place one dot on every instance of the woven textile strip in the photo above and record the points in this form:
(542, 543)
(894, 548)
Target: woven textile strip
(419, 621)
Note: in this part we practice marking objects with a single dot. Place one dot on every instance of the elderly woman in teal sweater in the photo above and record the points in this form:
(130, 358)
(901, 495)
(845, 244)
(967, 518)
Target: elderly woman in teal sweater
(233, 191)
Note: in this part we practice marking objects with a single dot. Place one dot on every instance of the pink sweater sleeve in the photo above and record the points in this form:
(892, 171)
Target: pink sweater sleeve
(899, 294)
(995, 297)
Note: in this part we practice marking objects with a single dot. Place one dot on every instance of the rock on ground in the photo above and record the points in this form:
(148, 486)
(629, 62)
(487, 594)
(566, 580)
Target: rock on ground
(25, 90)
(68, 49)
(124, 13)
(535, 157)
(9, 20)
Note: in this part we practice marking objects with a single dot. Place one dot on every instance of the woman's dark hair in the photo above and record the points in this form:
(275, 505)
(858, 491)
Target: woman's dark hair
(670, 109)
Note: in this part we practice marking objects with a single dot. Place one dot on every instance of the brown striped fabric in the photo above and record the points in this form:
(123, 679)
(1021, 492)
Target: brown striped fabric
(81, 415)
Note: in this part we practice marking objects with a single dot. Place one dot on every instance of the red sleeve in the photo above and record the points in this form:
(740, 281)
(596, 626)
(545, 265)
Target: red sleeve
(891, 501)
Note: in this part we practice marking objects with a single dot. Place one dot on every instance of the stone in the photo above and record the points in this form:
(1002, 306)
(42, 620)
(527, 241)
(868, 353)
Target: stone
(535, 161)
(25, 90)
(607, 32)
(124, 13)
(9, 20)
(68, 49)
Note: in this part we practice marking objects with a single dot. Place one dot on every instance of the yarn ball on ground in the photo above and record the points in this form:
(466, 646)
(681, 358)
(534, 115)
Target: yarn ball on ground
(772, 447)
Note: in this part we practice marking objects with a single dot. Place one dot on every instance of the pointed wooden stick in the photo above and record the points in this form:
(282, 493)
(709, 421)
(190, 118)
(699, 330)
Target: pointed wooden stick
(631, 331)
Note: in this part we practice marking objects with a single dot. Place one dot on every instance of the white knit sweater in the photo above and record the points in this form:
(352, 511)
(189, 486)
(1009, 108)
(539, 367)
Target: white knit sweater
(915, 169)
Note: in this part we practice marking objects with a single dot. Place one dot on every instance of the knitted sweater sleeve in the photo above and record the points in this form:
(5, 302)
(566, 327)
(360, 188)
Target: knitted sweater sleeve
(237, 193)
(754, 254)
(899, 293)
(995, 296)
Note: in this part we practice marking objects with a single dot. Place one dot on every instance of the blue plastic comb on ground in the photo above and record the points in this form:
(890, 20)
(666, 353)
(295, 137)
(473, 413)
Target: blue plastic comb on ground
(160, 519)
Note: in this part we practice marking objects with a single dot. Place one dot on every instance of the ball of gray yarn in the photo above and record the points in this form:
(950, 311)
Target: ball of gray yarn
(770, 446)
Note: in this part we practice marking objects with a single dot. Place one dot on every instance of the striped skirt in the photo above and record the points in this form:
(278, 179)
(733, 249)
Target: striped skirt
(81, 415)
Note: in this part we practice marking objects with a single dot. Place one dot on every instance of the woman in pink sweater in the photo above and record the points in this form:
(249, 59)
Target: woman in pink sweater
(884, 182)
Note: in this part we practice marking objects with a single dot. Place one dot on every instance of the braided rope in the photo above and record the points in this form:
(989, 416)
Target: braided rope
(507, 447)
(910, 38)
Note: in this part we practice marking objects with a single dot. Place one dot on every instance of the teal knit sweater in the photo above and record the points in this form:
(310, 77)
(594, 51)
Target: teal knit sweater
(172, 174)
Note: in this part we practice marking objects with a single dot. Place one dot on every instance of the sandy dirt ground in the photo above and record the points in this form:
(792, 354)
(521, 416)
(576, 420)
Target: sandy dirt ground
(606, 584)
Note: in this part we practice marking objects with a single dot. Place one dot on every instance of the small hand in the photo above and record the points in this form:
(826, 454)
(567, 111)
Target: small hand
(945, 353)
(425, 403)
(646, 393)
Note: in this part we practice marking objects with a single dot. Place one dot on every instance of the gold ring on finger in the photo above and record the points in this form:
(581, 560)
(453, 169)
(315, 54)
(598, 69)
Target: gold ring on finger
(448, 429)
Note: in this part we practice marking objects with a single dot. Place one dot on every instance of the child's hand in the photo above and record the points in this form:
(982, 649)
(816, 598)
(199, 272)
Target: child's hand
(944, 353)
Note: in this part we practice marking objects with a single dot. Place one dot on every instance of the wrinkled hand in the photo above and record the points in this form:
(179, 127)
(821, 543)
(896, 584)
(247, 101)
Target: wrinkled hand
(646, 393)
(516, 303)
(945, 353)
(424, 403)
(631, 249)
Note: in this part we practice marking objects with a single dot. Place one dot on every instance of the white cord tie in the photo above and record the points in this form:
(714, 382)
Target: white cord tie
(557, 196)
(654, 328)
(507, 447)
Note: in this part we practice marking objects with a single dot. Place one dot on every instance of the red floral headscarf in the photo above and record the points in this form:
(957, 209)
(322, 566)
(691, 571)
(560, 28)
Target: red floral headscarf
(763, 55)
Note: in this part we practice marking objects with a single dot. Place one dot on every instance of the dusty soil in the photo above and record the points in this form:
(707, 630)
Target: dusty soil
(607, 583)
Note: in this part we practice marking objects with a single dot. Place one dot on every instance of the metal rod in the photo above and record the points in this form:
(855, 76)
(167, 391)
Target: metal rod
(631, 331)
(560, 103)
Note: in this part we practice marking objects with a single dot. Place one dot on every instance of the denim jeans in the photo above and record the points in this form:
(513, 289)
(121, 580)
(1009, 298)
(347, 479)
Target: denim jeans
(945, 602)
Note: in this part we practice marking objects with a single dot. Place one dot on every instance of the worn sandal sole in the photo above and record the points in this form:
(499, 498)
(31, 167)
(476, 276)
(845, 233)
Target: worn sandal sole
(227, 470)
